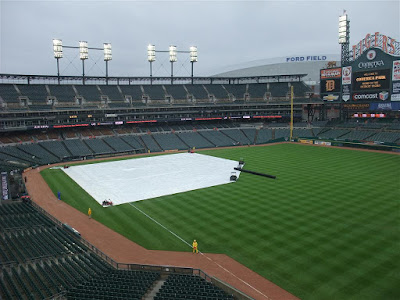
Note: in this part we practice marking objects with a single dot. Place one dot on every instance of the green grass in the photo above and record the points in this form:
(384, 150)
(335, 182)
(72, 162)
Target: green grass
(326, 228)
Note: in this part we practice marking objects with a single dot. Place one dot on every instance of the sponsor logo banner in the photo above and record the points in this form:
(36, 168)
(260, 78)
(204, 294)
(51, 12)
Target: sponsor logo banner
(396, 70)
(383, 95)
(330, 97)
(385, 106)
(306, 141)
(396, 88)
(395, 97)
(346, 75)
(322, 143)
(4, 186)
(331, 73)
(352, 106)
(346, 97)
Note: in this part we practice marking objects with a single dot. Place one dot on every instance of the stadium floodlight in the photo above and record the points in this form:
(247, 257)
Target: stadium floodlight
(107, 57)
(172, 59)
(83, 50)
(151, 53)
(151, 57)
(193, 54)
(83, 54)
(172, 54)
(107, 52)
(57, 48)
(193, 57)
(343, 29)
(58, 53)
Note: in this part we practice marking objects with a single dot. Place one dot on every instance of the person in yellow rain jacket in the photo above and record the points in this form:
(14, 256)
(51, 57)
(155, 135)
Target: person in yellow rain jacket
(89, 213)
(194, 245)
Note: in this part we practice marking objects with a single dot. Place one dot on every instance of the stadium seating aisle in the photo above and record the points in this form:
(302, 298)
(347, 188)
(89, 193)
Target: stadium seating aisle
(39, 259)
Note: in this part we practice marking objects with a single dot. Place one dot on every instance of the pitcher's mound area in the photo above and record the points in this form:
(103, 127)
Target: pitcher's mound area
(144, 178)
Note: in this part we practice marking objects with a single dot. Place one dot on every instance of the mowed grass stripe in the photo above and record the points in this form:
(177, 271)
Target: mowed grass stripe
(326, 228)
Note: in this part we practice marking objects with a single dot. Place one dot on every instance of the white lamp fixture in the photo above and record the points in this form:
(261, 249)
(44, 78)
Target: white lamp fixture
(107, 52)
(343, 29)
(83, 50)
(57, 48)
(193, 54)
(151, 53)
(172, 54)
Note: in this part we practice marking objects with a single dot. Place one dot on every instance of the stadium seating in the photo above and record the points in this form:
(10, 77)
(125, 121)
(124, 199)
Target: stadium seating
(112, 92)
(177, 92)
(63, 93)
(118, 144)
(179, 286)
(170, 141)
(97, 146)
(217, 138)
(150, 143)
(257, 91)
(218, 91)
(278, 89)
(264, 135)
(236, 135)
(77, 148)
(155, 92)
(134, 142)
(35, 92)
(8, 93)
(89, 92)
(134, 91)
(198, 92)
(194, 139)
(237, 90)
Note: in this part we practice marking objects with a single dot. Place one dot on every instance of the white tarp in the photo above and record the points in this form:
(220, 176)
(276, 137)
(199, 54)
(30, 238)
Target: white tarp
(144, 178)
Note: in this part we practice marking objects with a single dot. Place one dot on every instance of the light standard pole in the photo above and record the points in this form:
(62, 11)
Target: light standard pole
(151, 56)
(83, 55)
(193, 57)
(107, 57)
(344, 41)
(172, 59)
(57, 49)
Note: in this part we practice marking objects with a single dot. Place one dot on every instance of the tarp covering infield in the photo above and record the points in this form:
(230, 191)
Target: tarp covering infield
(145, 178)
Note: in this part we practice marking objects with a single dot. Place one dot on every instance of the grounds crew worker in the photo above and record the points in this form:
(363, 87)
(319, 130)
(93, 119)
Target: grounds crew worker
(89, 213)
(194, 245)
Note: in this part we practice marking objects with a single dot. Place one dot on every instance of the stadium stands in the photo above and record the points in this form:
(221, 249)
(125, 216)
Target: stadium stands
(112, 92)
(238, 91)
(8, 93)
(63, 93)
(217, 138)
(170, 141)
(237, 135)
(198, 92)
(35, 92)
(177, 92)
(193, 139)
(97, 146)
(39, 259)
(279, 89)
(89, 92)
(155, 92)
(77, 148)
(218, 91)
(150, 143)
(257, 91)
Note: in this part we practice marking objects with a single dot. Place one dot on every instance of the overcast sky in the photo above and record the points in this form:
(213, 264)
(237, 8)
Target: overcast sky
(225, 32)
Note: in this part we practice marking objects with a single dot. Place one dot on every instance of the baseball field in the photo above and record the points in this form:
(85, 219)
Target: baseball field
(327, 228)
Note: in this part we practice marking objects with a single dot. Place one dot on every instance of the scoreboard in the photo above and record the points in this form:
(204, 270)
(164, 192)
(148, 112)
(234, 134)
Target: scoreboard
(330, 83)
(371, 80)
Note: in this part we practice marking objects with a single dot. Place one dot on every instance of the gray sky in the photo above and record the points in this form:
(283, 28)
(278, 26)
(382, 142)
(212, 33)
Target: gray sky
(225, 32)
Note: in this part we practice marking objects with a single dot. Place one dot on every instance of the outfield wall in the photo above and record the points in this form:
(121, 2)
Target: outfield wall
(353, 144)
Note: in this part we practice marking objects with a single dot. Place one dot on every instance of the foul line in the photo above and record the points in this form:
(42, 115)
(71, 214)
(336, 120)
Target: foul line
(177, 236)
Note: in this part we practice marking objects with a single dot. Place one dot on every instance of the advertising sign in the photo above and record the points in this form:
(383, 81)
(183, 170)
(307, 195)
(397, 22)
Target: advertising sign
(371, 80)
(331, 73)
(396, 70)
(385, 106)
(4, 186)
(370, 96)
(346, 75)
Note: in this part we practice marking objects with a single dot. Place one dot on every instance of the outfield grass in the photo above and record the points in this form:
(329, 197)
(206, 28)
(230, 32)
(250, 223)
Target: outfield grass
(327, 228)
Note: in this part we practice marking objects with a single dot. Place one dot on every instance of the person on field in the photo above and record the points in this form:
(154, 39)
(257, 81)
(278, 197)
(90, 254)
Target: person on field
(89, 213)
(194, 246)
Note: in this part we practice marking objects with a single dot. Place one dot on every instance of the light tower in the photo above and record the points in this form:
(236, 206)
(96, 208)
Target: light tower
(344, 41)
(151, 56)
(344, 38)
(58, 53)
(107, 57)
(172, 59)
(83, 55)
(193, 57)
